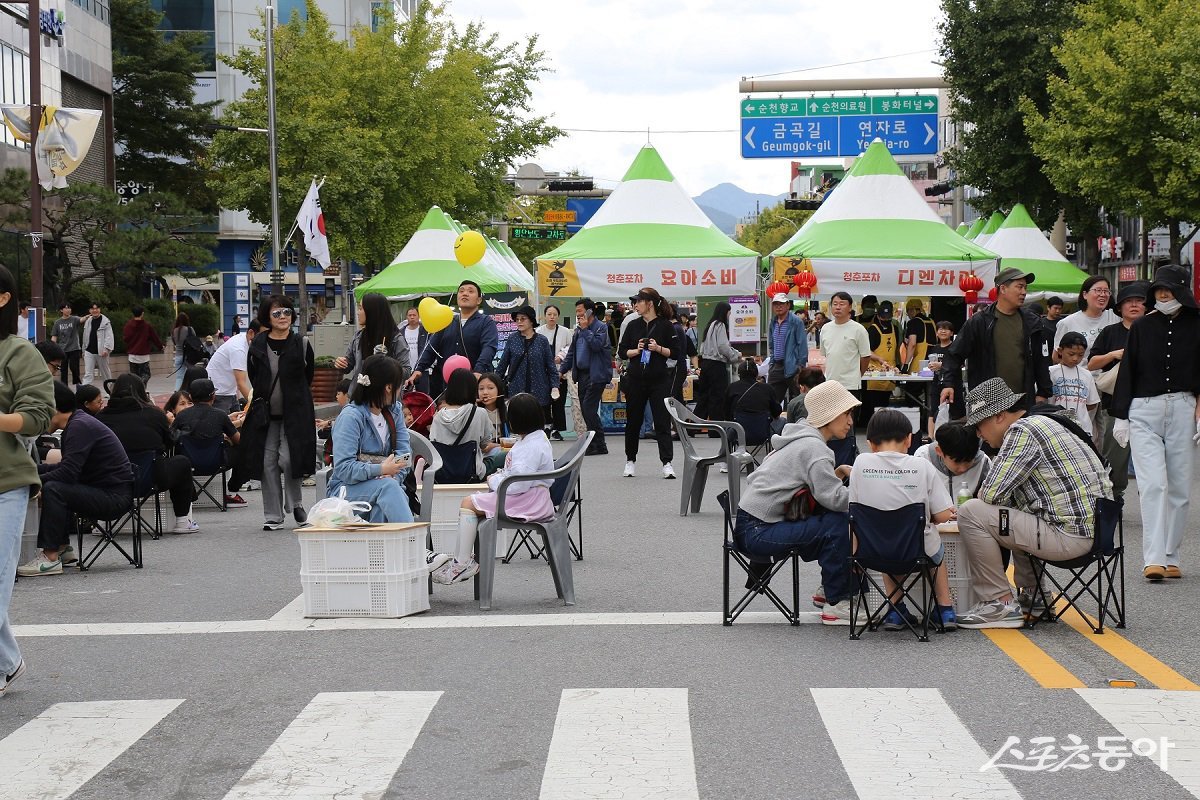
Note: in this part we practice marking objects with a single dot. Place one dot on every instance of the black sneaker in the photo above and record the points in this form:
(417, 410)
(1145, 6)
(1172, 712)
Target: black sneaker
(556, 436)
(300, 515)
(8, 679)
(758, 570)
(596, 451)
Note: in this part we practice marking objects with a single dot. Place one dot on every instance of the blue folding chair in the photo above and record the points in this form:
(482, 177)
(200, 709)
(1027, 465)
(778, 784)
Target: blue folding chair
(208, 462)
(892, 543)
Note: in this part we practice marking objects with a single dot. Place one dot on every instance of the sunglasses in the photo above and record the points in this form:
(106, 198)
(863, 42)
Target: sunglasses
(280, 313)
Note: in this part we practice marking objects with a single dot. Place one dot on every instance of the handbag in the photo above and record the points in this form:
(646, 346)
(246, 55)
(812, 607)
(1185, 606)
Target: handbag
(1106, 382)
(801, 506)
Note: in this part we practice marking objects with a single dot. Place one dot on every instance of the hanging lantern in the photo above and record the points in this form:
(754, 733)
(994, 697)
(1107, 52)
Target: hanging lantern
(970, 284)
(777, 287)
(992, 294)
(805, 283)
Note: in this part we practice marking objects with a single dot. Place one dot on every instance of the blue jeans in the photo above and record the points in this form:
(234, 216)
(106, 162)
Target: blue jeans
(1160, 439)
(12, 523)
(388, 501)
(824, 538)
(179, 369)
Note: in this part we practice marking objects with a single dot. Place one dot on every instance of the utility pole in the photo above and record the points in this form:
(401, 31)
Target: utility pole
(276, 261)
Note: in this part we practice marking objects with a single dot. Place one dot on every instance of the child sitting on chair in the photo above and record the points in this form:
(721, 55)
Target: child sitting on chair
(888, 478)
(527, 500)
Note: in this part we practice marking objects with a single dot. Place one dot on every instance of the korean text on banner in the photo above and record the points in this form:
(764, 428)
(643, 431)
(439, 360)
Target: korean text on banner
(613, 278)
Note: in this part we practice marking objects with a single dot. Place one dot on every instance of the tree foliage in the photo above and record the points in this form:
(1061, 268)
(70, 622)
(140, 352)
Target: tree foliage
(400, 119)
(159, 127)
(90, 233)
(773, 227)
(1123, 123)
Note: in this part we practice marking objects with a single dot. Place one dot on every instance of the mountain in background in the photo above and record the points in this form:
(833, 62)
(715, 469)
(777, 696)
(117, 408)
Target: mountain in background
(726, 203)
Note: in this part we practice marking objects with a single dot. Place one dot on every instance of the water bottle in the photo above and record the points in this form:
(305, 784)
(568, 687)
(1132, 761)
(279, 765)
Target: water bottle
(964, 494)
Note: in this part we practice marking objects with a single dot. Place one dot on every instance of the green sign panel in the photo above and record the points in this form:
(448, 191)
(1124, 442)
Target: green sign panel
(839, 106)
(540, 234)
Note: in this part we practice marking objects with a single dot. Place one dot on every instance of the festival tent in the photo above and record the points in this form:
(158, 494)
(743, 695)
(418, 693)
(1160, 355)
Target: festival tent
(502, 260)
(649, 232)
(989, 229)
(426, 265)
(1021, 244)
(962, 229)
(975, 228)
(875, 234)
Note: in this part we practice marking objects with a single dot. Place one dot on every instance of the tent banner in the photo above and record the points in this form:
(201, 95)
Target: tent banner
(888, 278)
(603, 278)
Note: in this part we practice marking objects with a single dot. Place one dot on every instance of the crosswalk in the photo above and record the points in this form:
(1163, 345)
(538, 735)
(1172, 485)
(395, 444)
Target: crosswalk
(610, 743)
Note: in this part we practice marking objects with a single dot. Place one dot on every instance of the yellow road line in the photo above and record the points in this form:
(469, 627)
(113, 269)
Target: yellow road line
(1129, 654)
(1034, 660)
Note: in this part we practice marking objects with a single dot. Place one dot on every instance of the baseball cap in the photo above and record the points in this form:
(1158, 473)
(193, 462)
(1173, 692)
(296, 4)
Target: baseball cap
(1010, 274)
(781, 298)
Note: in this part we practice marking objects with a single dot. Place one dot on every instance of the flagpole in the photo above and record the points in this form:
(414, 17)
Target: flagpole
(302, 279)
(276, 261)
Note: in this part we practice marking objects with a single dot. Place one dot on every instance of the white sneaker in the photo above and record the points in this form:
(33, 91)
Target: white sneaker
(724, 468)
(442, 575)
(435, 561)
(629, 470)
(40, 565)
(185, 525)
(668, 471)
(836, 614)
(462, 572)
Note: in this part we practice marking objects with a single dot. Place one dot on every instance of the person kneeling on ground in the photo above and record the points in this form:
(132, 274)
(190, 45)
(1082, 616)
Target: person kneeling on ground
(888, 478)
(371, 452)
(526, 500)
(801, 459)
(93, 480)
(1039, 498)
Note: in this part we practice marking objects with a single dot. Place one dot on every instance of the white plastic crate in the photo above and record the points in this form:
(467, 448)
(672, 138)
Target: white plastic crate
(379, 595)
(958, 574)
(443, 525)
(391, 550)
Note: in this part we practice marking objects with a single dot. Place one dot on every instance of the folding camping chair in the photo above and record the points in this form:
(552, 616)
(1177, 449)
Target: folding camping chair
(758, 435)
(144, 490)
(892, 543)
(524, 537)
(109, 528)
(1108, 556)
(208, 462)
(759, 580)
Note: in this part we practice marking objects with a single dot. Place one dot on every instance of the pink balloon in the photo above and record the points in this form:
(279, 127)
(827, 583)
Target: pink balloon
(452, 363)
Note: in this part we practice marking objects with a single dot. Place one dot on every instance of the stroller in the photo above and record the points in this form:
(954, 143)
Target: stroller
(422, 408)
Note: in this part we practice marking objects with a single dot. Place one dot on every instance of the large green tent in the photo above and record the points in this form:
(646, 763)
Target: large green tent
(989, 229)
(875, 234)
(1021, 244)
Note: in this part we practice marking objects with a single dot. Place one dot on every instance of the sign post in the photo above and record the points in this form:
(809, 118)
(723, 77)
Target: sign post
(798, 127)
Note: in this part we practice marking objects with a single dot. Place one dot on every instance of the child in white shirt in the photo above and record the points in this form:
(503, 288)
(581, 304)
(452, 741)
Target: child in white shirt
(528, 500)
(888, 478)
(1074, 387)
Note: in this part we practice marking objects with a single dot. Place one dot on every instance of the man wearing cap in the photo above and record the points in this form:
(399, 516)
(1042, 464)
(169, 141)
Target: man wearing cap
(883, 335)
(1039, 498)
(789, 347)
(472, 334)
(1001, 341)
(1154, 403)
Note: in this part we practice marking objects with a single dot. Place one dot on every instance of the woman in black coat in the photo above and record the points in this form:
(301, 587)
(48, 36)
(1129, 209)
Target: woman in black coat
(279, 439)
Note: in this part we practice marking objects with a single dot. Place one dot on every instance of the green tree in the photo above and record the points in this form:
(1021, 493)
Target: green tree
(159, 127)
(1123, 124)
(773, 227)
(996, 52)
(406, 117)
(90, 233)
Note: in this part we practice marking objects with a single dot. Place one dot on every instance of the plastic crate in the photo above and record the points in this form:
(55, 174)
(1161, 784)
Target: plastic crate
(379, 595)
(958, 574)
(443, 526)
(400, 549)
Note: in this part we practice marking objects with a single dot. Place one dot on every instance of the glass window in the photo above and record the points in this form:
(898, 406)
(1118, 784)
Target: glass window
(185, 15)
(285, 8)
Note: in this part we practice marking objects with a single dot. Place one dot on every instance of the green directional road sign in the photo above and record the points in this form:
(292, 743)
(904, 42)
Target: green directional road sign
(839, 106)
(540, 234)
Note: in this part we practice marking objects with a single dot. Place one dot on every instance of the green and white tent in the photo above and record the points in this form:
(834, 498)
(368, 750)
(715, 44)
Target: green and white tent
(976, 227)
(875, 234)
(962, 229)
(1021, 244)
(989, 229)
(426, 265)
(649, 232)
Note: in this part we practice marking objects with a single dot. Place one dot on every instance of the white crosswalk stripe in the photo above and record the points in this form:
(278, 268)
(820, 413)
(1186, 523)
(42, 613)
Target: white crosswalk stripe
(343, 744)
(621, 743)
(81, 739)
(905, 743)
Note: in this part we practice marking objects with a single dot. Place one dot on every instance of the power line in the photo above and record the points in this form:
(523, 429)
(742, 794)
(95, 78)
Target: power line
(843, 64)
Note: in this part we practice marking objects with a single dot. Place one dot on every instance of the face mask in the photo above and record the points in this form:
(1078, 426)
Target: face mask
(1169, 307)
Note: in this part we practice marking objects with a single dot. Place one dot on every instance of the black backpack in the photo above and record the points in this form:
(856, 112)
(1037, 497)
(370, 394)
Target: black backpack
(193, 349)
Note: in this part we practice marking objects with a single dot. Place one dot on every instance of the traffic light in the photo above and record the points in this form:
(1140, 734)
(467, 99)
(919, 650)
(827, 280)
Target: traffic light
(570, 185)
(802, 205)
(939, 189)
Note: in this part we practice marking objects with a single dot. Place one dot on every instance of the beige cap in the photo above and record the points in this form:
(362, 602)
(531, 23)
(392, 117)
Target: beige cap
(828, 401)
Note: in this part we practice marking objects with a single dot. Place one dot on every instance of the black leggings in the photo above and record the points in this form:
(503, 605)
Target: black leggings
(72, 367)
(174, 475)
(711, 388)
(636, 395)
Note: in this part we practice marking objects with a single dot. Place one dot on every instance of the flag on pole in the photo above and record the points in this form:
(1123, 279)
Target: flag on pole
(64, 137)
(312, 224)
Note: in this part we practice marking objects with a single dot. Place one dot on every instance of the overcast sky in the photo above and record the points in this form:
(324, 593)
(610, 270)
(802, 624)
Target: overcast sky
(675, 64)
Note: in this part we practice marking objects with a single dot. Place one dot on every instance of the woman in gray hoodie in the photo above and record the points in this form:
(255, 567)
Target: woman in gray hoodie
(801, 459)
(460, 421)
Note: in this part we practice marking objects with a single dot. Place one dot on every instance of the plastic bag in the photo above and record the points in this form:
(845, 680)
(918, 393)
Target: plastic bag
(336, 511)
(943, 416)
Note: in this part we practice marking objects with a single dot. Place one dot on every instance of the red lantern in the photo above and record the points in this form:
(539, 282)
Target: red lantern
(777, 287)
(805, 283)
(992, 294)
(970, 283)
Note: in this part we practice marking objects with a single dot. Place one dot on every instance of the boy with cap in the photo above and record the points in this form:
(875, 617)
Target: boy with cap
(1038, 498)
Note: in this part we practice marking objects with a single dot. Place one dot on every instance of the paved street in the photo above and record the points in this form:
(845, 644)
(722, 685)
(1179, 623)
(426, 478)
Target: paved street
(197, 677)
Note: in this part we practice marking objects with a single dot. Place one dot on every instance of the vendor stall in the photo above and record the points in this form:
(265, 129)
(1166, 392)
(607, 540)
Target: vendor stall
(1022, 245)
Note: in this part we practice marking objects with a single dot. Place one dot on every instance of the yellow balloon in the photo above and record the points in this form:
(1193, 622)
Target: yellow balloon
(469, 248)
(434, 315)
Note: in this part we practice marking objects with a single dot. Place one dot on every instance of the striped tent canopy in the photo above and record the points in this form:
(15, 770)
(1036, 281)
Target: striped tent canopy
(1022, 245)
(649, 232)
(875, 234)
(989, 228)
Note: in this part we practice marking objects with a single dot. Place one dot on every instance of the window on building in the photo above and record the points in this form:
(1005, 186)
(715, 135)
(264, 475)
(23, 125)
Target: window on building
(285, 8)
(14, 78)
(190, 15)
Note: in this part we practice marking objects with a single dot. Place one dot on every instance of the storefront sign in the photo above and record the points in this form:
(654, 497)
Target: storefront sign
(745, 319)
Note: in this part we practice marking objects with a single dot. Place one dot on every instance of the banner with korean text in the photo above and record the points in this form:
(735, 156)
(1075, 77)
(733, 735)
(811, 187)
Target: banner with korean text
(619, 278)
(890, 277)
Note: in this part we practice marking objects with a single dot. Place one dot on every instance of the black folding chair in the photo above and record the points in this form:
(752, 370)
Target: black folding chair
(892, 543)
(208, 462)
(146, 489)
(530, 539)
(109, 528)
(1108, 556)
(758, 579)
(758, 435)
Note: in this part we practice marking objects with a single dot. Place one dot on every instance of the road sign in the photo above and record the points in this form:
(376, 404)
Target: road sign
(839, 106)
(559, 216)
(539, 234)
(808, 137)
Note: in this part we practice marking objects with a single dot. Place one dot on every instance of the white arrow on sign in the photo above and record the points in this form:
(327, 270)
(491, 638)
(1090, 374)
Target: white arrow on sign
(750, 138)
(929, 132)
(813, 108)
(929, 104)
(749, 108)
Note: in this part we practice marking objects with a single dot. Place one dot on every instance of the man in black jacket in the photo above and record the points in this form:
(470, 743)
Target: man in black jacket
(471, 334)
(1001, 341)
